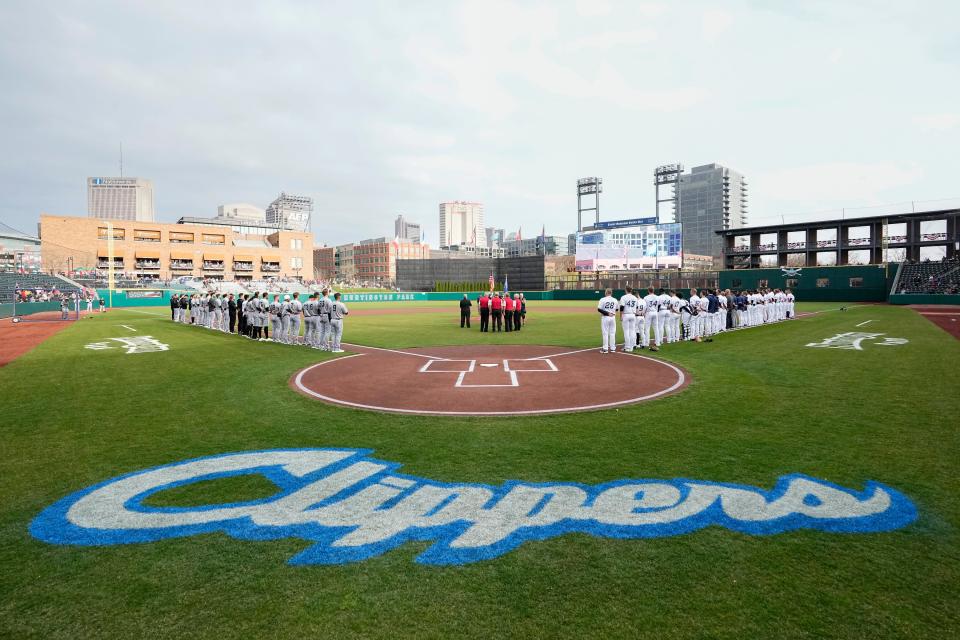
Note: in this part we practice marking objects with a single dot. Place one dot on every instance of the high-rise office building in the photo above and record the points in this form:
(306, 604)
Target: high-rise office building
(120, 199)
(290, 212)
(494, 236)
(406, 230)
(712, 197)
(462, 223)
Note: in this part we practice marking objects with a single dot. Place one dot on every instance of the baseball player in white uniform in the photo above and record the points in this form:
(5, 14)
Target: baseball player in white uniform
(673, 320)
(706, 322)
(651, 317)
(607, 308)
(720, 322)
(628, 319)
(695, 318)
(638, 323)
(781, 304)
(663, 301)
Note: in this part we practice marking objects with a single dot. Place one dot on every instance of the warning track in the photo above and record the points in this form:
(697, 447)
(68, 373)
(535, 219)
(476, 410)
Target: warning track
(487, 380)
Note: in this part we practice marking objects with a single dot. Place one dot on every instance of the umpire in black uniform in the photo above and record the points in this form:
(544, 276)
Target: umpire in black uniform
(465, 305)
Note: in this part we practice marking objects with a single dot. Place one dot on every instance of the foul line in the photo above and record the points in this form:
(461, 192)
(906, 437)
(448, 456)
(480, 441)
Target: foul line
(557, 355)
(405, 353)
(125, 326)
(146, 313)
(864, 322)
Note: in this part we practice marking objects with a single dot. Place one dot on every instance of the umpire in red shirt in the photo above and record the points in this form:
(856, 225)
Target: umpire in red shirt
(484, 303)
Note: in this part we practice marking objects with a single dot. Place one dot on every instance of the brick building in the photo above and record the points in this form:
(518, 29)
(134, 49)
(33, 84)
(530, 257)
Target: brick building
(324, 263)
(375, 260)
(163, 250)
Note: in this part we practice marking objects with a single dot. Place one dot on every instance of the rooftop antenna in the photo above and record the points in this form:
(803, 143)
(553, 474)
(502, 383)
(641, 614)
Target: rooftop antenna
(121, 159)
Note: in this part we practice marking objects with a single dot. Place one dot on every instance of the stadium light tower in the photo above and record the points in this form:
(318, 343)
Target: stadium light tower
(585, 187)
(664, 176)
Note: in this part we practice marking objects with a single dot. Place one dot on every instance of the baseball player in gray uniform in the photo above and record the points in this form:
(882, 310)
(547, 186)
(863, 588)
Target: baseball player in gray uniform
(323, 320)
(275, 323)
(284, 320)
(218, 302)
(308, 320)
(338, 311)
(294, 310)
(262, 316)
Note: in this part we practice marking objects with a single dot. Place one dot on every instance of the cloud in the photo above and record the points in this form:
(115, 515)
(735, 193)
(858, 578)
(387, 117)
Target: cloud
(835, 56)
(937, 121)
(835, 182)
(593, 8)
(607, 40)
(714, 22)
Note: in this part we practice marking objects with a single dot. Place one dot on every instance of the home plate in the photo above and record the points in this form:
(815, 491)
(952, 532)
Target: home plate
(493, 364)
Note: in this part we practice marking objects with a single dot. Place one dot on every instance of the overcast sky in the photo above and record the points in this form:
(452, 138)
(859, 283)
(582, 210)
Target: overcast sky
(378, 108)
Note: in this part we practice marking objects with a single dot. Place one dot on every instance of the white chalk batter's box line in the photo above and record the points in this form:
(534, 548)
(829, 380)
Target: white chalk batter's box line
(472, 365)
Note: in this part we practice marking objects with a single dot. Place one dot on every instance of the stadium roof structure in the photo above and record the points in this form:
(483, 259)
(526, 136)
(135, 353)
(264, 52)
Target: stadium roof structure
(908, 242)
(10, 232)
(893, 218)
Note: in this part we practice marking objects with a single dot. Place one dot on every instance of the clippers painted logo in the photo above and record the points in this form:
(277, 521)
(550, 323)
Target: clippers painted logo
(354, 507)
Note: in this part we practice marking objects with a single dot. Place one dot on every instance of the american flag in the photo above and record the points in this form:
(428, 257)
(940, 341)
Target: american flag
(491, 281)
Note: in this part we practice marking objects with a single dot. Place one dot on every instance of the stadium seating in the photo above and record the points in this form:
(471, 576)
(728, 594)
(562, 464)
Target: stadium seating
(10, 282)
(929, 277)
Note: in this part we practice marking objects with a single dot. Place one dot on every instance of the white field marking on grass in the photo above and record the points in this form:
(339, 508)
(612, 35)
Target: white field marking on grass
(126, 326)
(405, 353)
(146, 313)
(564, 353)
(298, 381)
(864, 322)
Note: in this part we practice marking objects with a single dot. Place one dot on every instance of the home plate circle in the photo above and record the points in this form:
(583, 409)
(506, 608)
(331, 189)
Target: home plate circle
(485, 380)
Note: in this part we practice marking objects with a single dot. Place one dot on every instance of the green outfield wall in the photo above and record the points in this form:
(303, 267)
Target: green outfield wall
(136, 297)
(862, 283)
(27, 308)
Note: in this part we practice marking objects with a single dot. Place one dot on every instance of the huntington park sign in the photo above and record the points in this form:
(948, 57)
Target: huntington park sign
(353, 507)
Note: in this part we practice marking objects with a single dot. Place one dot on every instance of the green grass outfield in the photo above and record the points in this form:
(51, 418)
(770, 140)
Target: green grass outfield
(761, 405)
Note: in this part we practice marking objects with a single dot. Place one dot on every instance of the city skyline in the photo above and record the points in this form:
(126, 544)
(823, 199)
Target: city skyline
(476, 101)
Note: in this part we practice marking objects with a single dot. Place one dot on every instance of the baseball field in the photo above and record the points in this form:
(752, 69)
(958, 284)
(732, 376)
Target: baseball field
(827, 447)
